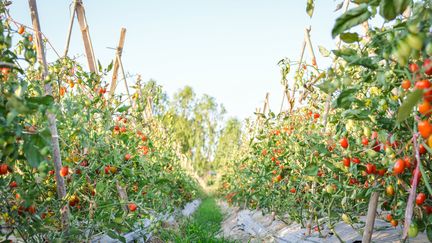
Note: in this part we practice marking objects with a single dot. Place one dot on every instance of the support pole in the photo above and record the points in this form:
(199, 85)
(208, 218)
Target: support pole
(119, 52)
(86, 36)
(71, 22)
(61, 188)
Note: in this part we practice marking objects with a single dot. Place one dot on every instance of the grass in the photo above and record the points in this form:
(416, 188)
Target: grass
(202, 227)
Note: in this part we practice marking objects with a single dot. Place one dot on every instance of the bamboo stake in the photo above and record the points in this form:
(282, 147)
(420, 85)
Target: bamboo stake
(61, 188)
(86, 36)
(119, 52)
(125, 80)
(123, 196)
(70, 28)
(310, 47)
(291, 102)
(370, 218)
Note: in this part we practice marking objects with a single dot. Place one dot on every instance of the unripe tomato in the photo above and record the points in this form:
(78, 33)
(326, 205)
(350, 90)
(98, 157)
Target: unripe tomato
(390, 190)
(413, 230)
(330, 189)
(415, 41)
(421, 197)
(394, 223)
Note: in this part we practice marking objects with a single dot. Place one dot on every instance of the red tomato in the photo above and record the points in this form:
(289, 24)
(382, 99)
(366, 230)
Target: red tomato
(356, 160)
(365, 141)
(422, 149)
(344, 142)
(399, 167)
(13, 184)
(423, 84)
(421, 197)
(370, 168)
(128, 157)
(132, 207)
(413, 67)
(406, 84)
(425, 128)
(64, 171)
(346, 162)
(425, 108)
(427, 66)
(389, 217)
(316, 116)
(293, 190)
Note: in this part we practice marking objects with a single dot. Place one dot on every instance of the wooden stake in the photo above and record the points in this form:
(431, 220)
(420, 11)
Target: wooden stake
(61, 188)
(86, 36)
(125, 80)
(70, 28)
(292, 101)
(370, 218)
(123, 196)
(119, 52)
(310, 47)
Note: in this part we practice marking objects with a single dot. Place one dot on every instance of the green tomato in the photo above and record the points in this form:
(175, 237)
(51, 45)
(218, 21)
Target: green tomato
(413, 230)
(414, 41)
(367, 131)
(429, 49)
(329, 189)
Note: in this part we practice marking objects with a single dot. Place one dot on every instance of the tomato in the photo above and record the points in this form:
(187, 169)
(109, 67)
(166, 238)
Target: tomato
(422, 149)
(293, 190)
(390, 190)
(356, 160)
(13, 184)
(389, 217)
(399, 167)
(344, 143)
(353, 181)
(413, 230)
(427, 66)
(413, 67)
(21, 30)
(421, 197)
(107, 169)
(429, 141)
(394, 223)
(330, 189)
(3, 169)
(425, 108)
(365, 141)
(127, 157)
(31, 209)
(132, 207)
(382, 172)
(123, 129)
(278, 178)
(64, 171)
(116, 128)
(346, 162)
(264, 152)
(423, 84)
(314, 63)
(428, 209)
(370, 168)
(425, 128)
(407, 161)
(406, 84)
(316, 116)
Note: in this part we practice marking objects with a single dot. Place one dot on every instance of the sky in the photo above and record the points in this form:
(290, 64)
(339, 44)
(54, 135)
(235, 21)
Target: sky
(227, 49)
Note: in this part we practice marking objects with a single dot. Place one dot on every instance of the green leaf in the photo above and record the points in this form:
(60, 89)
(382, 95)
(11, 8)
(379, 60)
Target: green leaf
(32, 150)
(310, 7)
(349, 37)
(311, 170)
(324, 52)
(350, 19)
(345, 98)
(429, 232)
(123, 108)
(407, 106)
(42, 100)
(390, 9)
(114, 235)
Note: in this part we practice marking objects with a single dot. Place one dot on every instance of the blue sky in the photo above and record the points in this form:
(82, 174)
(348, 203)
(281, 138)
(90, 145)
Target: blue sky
(228, 49)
